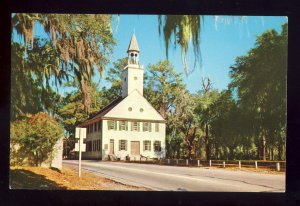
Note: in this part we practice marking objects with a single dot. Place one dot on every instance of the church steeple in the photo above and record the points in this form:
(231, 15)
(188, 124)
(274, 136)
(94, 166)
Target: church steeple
(133, 51)
(133, 74)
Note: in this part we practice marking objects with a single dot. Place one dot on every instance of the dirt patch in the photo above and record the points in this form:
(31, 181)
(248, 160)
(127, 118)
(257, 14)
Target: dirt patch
(258, 170)
(67, 179)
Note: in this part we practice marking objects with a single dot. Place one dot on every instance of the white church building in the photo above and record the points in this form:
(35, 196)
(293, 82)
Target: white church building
(129, 127)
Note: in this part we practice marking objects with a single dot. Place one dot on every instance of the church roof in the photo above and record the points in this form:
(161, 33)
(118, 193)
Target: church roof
(103, 111)
(133, 45)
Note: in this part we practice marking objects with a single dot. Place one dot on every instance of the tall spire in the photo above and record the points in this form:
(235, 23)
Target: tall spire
(133, 45)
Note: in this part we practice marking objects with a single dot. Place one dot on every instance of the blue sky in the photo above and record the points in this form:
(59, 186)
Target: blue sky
(222, 39)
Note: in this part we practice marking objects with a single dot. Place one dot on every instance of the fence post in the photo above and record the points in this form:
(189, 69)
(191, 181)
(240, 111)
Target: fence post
(187, 162)
(177, 161)
(278, 166)
(255, 164)
(134, 158)
(210, 163)
(168, 161)
(224, 164)
(240, 165)
(198, 163)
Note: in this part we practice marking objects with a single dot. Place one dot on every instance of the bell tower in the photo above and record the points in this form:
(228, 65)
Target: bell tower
(133, 74)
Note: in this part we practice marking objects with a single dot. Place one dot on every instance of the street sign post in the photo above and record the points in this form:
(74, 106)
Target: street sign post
(80, 134)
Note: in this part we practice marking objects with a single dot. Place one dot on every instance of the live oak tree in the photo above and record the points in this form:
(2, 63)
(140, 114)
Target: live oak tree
(28, 93)
(33, 139)
(206, 97)
(78, 43)
(167, 93)
(185, 32)
(72, 112)
(184, 29)
(184, 121)
(162, 86)
(259, 79)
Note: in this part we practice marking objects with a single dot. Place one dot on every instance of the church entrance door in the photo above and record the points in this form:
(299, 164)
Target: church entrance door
(135, 148)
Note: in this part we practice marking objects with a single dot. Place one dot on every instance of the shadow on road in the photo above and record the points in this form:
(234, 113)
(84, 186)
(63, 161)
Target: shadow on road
(24, 179)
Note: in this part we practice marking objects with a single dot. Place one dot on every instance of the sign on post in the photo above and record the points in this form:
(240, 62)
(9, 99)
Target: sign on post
(80, 134)
(82, 147)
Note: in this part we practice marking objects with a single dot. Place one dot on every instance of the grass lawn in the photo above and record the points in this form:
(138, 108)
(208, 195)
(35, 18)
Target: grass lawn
(49, 179)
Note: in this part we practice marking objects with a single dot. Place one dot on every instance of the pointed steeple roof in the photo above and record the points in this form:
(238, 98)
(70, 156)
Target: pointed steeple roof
(133, 45)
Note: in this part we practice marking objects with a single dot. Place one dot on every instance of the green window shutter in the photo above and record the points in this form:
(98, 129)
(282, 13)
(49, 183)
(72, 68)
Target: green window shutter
(126, 145)
(126, 125)
(159, 145)
(119, 125)
(108, 124)
(144, 145)
(138, 126)
(150, 126)
(119, 145)
(115, 122)
(131, 126)
(149, 145)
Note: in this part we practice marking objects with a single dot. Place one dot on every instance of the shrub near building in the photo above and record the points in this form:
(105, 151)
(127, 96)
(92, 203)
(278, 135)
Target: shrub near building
(33, 139)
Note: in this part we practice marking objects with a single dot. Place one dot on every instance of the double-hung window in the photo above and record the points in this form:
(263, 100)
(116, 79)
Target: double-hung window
(157, 146)
(147, 126)
(123, 125)
(112, 125)
(135, 126)
(122, 145)
(147, 145)
(156, 127)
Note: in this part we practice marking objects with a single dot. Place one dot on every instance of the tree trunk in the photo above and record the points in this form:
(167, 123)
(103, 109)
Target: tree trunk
(178, 152)
(272, 152)
(207, 149)
(217, 150)
(280, 149)
(263, 148)
(231, 152)
(189, 151)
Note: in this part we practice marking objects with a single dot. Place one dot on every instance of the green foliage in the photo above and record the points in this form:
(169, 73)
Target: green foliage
(71, 110)
(114, 77)
(28, 94)
(33, 139)
(77, 43)
(162, 86)
(259, 78)
(184, 29)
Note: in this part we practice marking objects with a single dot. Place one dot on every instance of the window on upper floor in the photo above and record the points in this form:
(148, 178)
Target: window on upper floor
(156, 127)
(112, 125)
(95, 127)
(123, 125)
(147, 126)
(91, 128)
(135, 126)
(99, 125)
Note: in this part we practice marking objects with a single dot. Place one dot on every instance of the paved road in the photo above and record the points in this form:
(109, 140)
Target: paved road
(172, 178)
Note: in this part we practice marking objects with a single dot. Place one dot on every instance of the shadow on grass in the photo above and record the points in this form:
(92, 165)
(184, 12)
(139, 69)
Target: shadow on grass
(24, 179)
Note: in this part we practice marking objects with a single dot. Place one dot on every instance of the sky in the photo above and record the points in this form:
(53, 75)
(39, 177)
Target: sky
(222, 39)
